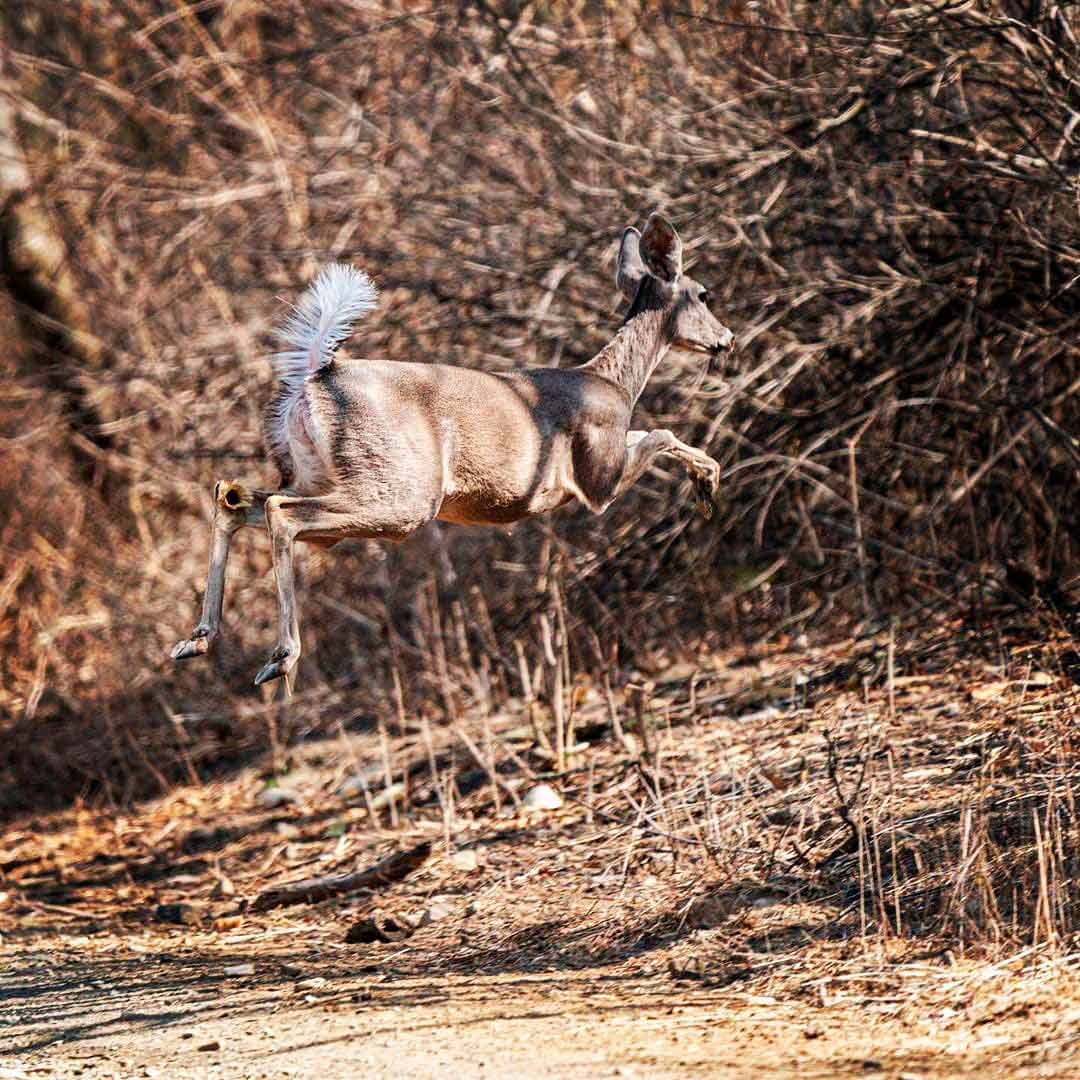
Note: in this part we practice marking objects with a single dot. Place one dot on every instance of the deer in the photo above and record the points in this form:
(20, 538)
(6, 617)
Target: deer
(378, 448)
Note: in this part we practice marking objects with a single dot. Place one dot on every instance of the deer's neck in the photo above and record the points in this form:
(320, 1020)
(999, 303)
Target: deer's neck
(631, 357)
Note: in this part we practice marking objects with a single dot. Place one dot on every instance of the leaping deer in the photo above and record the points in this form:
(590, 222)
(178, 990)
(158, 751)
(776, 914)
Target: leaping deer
(376, 448)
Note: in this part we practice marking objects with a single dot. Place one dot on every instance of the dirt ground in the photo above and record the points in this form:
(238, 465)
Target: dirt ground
(607, 936)
(129, 1008)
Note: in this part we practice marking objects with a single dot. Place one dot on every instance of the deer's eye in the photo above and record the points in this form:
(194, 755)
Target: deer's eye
(703, 296)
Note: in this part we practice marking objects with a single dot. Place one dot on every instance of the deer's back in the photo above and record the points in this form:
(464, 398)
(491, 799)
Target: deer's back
(469, 445)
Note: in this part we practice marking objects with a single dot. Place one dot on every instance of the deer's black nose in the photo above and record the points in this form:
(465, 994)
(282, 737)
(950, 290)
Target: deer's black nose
(724, 348)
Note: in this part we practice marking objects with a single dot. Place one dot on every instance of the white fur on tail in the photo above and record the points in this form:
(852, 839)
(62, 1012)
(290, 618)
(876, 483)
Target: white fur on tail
(318, 324)
(321, 321)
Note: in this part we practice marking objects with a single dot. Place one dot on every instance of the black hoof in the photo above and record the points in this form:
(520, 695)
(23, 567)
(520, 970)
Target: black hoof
(196, 645)
(280, 664)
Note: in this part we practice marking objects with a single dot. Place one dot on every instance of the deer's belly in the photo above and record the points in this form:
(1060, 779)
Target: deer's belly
(463, 510)
(490, 488)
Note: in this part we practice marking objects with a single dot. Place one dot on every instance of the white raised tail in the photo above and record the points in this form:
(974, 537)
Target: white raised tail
(317, 325)
(322, 320)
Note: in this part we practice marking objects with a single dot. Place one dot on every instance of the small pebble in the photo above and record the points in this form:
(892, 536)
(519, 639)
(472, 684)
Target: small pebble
(223, 887)
(378, 928)
(180, 914)
(388, 795)
(542, 797)
(439, 907)
(354, 785)
(276, 796)
(466, 859)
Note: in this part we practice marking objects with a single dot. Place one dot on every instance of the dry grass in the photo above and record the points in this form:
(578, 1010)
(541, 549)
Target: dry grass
(790, 799)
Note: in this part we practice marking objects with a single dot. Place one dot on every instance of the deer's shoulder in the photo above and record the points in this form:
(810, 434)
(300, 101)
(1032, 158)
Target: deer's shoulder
(573, 392)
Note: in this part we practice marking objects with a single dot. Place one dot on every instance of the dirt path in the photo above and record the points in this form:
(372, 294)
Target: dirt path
(120, 1008)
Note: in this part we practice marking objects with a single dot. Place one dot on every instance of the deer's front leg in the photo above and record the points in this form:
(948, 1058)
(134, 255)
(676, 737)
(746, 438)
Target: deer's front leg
(704, 471)
(234, 507)
(642, 447)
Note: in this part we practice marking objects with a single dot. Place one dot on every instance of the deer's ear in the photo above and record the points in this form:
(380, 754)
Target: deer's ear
(630, 269)
(661, 248)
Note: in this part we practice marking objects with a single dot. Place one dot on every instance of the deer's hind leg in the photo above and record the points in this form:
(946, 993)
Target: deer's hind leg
(235, 506)
(325, 519)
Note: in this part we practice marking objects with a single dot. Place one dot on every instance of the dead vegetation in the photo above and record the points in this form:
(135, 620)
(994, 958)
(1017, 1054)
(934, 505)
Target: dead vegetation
(938, 805)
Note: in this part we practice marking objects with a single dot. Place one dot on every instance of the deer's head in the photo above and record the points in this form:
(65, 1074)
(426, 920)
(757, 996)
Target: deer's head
(649, 274)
